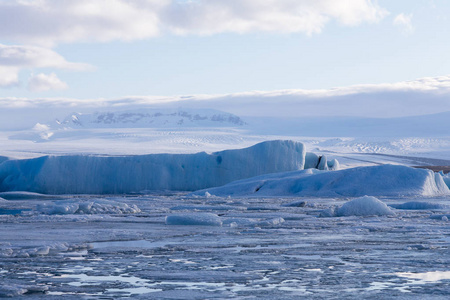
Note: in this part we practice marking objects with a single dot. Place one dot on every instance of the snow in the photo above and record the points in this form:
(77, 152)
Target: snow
(364, 206)
(384, 180)
(76, 174)
(203, 219)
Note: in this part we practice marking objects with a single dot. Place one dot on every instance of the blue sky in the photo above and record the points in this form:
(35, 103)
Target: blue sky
(111, 49)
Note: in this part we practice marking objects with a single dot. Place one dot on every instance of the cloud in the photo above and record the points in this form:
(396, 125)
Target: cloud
(422, 96)
(9, 76)
(49, 22)
(13, 58)
(42, 82)
(404, 23)
(288, 16)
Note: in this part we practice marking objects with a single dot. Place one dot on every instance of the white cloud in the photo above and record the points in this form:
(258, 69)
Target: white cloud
(242, 16)
(9, 76)
(48, 22)
(404, 22)
(14, 58)
(42, 82)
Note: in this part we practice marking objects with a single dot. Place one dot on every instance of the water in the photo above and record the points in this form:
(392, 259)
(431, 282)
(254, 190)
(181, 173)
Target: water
(133, 255)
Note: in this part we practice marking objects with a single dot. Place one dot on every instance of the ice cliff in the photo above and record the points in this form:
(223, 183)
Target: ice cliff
(79, 174)
(384, 180)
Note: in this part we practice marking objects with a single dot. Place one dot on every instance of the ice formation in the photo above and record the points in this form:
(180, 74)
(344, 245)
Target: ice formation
(447, 179)
(125, 174)
(364, 206)
(384, 180)
(98, 206)
(415, 205)
(202, 219)
(314, 161)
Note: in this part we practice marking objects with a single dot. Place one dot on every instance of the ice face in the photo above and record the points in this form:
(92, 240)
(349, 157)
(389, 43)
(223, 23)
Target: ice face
(125, 174)
(384, 180)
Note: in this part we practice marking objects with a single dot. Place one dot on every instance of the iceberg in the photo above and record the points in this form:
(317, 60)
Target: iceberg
(363, 206)
(82, 174)
(383, 180)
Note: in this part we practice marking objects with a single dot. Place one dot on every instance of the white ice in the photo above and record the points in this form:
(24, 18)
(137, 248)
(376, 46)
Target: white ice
(384, 180)
(77, 174)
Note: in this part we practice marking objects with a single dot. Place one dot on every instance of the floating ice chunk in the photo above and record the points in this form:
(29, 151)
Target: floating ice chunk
(440, 217)
(125, 174)
(364, 206)
(300, 203)
(328, 212)
(418, 205)
(384, 180)
(15, 290)
(204, 219)
(97, 206)
(249, 222)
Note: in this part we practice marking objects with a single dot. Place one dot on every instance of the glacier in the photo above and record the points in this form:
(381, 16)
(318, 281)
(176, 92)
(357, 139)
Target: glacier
(83, 174)
(383, 180)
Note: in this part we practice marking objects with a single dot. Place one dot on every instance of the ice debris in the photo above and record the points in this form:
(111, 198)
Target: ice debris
(16, 290)
(363, 206)
(98, 206)
(203, 219)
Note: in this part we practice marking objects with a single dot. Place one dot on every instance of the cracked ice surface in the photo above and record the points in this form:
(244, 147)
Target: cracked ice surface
(266, 248)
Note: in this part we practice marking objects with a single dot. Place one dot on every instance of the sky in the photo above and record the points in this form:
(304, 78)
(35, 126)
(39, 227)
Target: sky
(107, 49)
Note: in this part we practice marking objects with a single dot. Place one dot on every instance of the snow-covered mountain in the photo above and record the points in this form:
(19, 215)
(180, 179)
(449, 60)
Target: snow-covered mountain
(157, 118)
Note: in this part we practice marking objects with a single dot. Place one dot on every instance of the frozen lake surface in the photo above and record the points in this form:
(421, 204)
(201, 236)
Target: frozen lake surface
(255, 248)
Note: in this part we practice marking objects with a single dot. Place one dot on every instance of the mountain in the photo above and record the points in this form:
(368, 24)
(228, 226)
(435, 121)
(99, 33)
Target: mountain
(155, 118)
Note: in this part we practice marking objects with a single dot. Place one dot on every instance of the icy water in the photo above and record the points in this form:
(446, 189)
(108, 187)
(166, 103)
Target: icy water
(273, 248)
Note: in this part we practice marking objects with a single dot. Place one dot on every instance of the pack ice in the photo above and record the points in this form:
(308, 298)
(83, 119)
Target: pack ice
(81, 174)
(384, 180)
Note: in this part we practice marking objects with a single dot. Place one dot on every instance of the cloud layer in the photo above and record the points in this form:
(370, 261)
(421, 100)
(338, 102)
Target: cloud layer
(43, 82)
(49, 22)
(14, 58)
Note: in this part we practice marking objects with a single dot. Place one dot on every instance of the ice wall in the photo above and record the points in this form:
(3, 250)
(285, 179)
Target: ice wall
(125, 174)
(384, 180)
